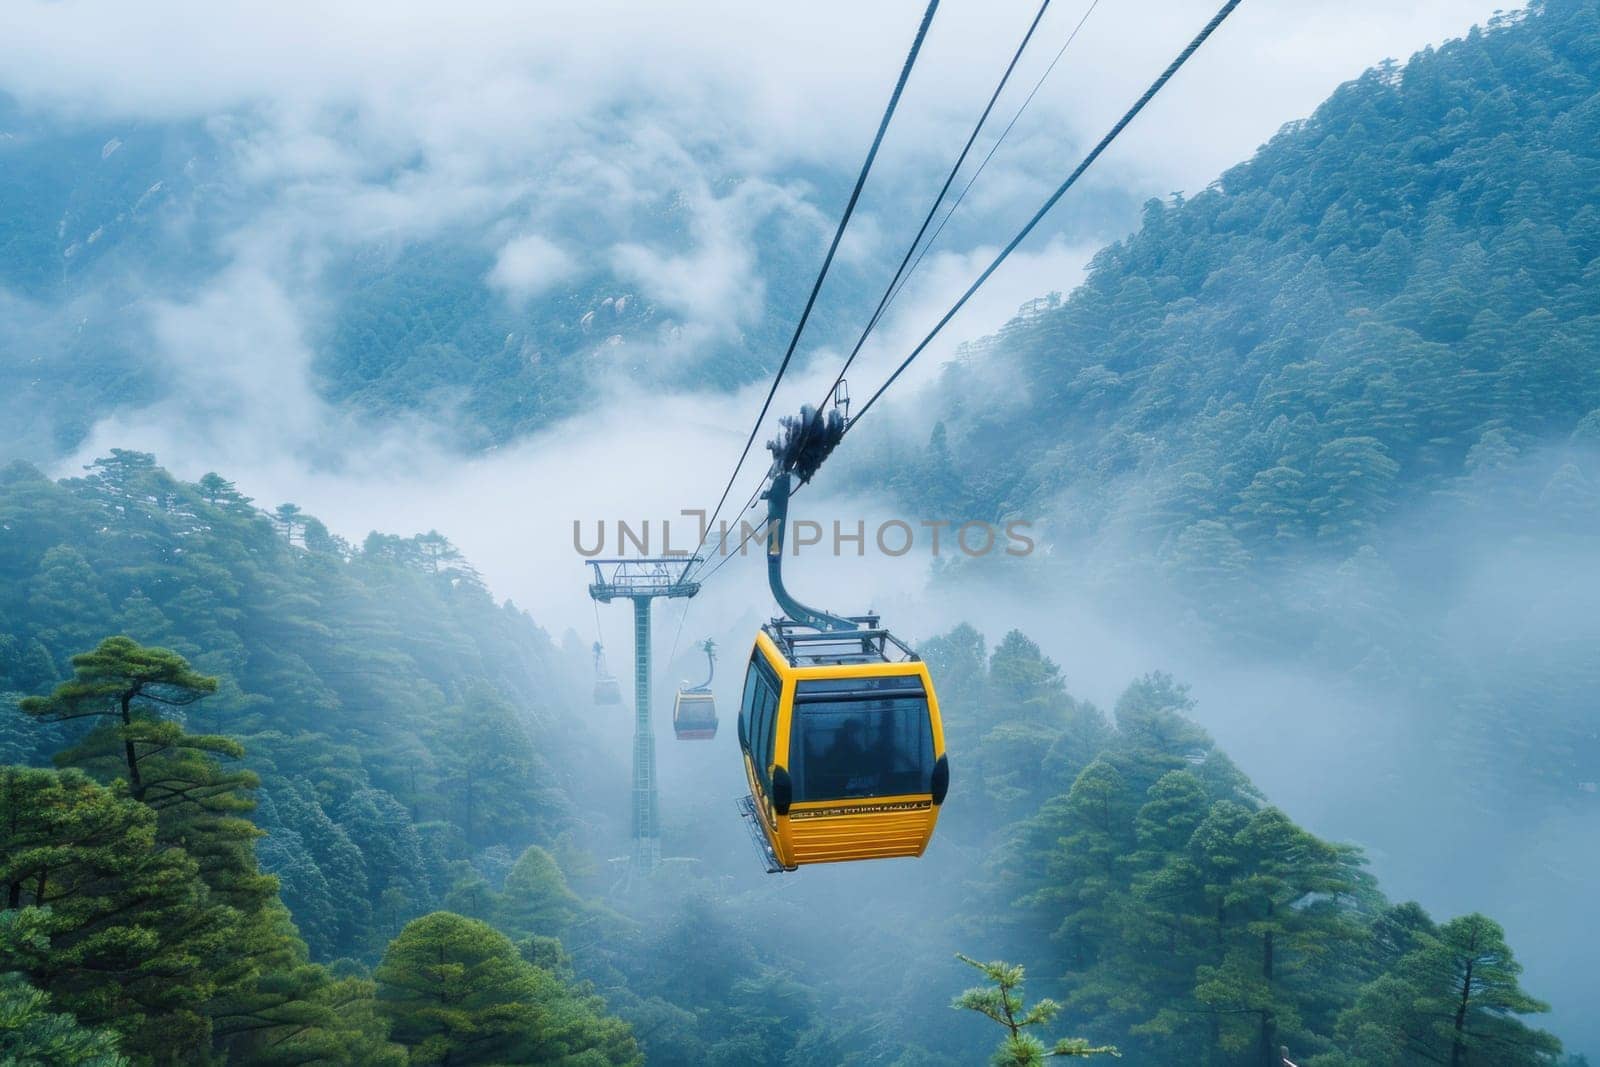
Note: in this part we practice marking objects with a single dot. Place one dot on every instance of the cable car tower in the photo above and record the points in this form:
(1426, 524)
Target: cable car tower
(641, 581)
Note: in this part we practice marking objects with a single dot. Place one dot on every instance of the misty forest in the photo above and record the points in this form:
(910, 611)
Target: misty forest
(1280, 749)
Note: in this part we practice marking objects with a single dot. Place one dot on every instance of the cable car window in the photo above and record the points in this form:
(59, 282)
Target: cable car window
(767, 718)
(860, 737)
(758, 708)
(747, 703)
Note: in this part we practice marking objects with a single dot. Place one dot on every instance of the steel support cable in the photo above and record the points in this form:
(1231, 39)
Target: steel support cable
(722, 542)
(939, 229)
(903, 274)
(933, 208)
(754, 531)
(675, 637)
(901, 271)
(1072, 179)
(1094, 154)
(897, 284)
(838, 235)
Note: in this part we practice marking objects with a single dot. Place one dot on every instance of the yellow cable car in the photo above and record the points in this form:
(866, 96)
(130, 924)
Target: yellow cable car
(843, 747)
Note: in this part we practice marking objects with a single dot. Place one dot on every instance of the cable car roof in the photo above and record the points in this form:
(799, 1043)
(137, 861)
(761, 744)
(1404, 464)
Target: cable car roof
(804, 646)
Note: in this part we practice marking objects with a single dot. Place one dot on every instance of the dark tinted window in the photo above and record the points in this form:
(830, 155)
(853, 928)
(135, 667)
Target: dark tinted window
(759, 709)
(747, 705)
(860, 738)
(769, 726)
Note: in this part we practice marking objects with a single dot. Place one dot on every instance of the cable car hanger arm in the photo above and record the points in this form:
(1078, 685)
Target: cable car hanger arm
(777, 497)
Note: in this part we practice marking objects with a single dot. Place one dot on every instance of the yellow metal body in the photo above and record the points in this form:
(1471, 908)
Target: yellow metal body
(839, 830)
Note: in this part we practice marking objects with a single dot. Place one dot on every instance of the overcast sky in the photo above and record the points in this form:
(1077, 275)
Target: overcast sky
(477, 79)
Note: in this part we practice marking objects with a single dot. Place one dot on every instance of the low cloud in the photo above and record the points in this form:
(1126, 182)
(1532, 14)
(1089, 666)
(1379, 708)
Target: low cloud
(671, 148)
(713, 285)
(382, 119)
(529, 265)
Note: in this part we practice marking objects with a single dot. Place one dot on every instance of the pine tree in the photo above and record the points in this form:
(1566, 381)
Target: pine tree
(302, 886)
(135, 942)
(1154, 731)
(488, 759)
(1085, 865)
(1153, 969)
(537, 899)
(1024, 680)
(1354, 476)
(122, 681)
(1283, 896)
(1002, 1001)
(294, 1012)
(398, 886)
(436, 553)
(221, 493)
(1467, 978)
(1448, 995)
(141, 618)
(201, 806)
(66, 602)
(337, 860)
(456, 991)
(30, 1032)
(470, 894)
(289, 521)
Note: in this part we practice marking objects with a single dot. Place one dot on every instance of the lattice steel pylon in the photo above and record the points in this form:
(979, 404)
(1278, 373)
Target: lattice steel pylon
(641, 581)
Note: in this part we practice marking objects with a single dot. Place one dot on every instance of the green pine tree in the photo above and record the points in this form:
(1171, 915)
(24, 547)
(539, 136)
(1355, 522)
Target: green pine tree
(1001, 1000)
(456, 991)
(294, 1012)
(1450, 995)
(135, 941)
(124, 682)
(30, 1032)
(489, 763)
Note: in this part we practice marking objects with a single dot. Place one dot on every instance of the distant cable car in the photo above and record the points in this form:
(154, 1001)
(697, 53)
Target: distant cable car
(840, 730)
(694, 713)
(606, 690)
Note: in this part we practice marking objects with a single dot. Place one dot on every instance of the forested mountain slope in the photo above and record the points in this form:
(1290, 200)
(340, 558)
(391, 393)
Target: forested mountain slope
(422, 790)
(1174, 910)
(379, 692)
(1345, 402)
(1389, 294)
